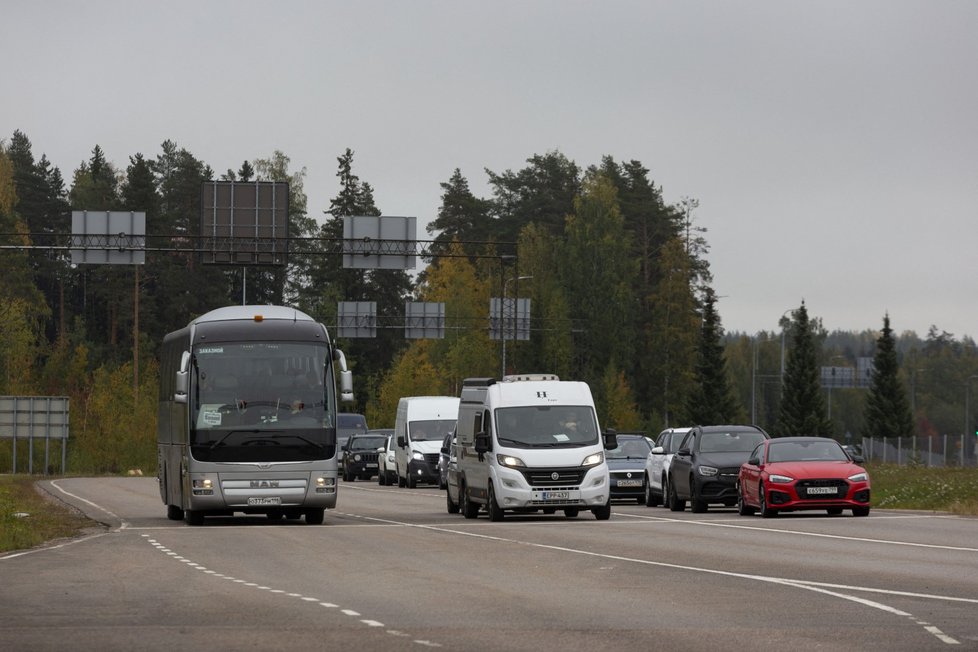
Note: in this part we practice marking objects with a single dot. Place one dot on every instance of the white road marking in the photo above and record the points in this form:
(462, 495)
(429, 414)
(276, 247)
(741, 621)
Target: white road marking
(329, 605)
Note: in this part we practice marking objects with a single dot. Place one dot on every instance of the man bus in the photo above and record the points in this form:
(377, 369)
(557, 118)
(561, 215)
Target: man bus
(247, 415)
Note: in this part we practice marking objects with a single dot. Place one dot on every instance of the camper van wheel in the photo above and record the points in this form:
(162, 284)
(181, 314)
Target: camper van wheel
(572, 512)
(495, 511)
(602, 513)
(174, 513)
(469, 508)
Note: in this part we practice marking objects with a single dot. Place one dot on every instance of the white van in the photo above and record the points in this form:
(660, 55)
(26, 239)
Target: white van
(421, 424)
(529, 443)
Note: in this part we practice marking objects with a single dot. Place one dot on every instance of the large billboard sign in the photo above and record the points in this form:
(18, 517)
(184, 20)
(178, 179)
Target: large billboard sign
(244, 223)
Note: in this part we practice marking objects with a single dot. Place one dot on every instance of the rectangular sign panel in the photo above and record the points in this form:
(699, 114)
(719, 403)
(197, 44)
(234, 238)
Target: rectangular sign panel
(424, 320)
(356, 319)
(39, 417)
(244, 223)
(379, 242)
(108, 237)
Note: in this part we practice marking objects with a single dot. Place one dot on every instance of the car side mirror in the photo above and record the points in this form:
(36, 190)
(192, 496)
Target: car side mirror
(658, 450)
(858, 459)
(683, 452)
(754, 461)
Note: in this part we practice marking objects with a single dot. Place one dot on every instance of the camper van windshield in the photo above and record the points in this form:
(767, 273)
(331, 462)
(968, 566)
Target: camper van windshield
(546, 426)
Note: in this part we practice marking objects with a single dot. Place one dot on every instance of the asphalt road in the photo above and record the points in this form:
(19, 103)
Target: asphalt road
(391, 570)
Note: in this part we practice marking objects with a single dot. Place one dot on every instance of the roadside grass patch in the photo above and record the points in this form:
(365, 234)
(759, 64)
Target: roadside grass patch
(28, 518)
(947, 489)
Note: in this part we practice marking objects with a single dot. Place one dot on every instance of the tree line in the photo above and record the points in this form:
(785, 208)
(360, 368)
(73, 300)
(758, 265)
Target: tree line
(618, 278)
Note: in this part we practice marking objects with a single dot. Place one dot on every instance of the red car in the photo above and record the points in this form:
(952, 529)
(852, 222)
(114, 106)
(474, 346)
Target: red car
(788, 474)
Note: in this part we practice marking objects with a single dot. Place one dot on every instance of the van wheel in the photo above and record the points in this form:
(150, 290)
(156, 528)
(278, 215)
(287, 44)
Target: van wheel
(412, 482)
(469, 508)
(401, 482)
(174, 513)
(193, 517)
(495, 511)
(315, 516)
(602, 513)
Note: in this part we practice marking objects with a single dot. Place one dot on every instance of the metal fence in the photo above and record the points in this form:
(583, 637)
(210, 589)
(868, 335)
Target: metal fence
(939, 450)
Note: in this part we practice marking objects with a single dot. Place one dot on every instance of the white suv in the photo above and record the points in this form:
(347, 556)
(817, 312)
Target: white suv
(657, 465)
(386, 471)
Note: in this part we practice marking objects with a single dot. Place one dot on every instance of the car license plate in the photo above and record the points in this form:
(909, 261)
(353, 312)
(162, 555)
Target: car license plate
(821, 490)
(629, 483)
(265, 500)
(371, 466)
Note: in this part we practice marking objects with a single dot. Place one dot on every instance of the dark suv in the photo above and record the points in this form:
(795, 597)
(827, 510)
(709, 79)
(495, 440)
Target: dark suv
(705, 468)
(360, 456)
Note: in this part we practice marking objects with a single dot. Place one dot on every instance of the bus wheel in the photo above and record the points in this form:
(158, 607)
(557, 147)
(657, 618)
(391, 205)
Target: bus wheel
(193, 517)
(315, 516)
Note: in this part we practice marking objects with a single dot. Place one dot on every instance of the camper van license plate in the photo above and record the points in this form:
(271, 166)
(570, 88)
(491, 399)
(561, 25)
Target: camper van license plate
(265, 500)
(551, 495)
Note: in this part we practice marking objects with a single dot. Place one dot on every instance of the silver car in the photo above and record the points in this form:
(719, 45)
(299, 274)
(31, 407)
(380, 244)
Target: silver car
(657, 465)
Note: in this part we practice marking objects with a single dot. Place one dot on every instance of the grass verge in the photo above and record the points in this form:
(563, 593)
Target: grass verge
(29, 518)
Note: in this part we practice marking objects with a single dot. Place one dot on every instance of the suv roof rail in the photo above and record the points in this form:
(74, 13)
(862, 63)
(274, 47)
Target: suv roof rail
(522, 377)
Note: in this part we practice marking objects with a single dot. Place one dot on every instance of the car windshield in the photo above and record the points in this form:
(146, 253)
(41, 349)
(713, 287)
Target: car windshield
(546, 426)
(806, 451)
(630, 449)
(367, 443)
(731, 441)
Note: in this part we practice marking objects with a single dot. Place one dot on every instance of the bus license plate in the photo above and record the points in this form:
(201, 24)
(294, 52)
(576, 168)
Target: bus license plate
(265, 500)
(821, 490)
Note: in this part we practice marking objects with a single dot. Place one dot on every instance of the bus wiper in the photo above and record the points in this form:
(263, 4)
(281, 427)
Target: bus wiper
(231, 432)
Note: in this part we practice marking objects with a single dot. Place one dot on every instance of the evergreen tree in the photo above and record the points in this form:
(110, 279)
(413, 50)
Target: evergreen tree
(599, 279)
(711, 401)
(542, 193)
(802, 405)
(462, 216)
(887, 409)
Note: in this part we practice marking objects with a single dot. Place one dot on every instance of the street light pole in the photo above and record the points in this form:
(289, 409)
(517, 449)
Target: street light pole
(503, 315)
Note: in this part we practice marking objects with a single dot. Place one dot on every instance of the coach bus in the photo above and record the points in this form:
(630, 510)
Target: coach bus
(247, 415)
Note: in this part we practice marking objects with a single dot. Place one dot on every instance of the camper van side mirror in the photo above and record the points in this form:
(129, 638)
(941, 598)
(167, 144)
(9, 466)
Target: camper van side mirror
(401, 442)
(481, 442)
(610, 439)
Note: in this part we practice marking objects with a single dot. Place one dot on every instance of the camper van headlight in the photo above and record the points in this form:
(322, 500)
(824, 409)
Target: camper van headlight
(593, 459)
(417, 455)
(510, 461)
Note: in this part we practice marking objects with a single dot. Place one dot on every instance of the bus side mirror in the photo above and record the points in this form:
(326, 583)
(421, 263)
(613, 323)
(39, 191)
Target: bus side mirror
(182, 381)
(346, 376)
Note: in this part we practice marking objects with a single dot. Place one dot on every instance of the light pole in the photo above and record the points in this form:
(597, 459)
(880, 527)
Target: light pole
(967, 399)
(503, 314)
(834, 357)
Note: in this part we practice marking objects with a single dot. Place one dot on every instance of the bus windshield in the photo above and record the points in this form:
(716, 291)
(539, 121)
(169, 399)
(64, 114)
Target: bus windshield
(261, 401)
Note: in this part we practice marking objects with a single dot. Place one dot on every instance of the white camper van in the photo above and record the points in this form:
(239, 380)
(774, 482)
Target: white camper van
(530, 443)
(421, 424)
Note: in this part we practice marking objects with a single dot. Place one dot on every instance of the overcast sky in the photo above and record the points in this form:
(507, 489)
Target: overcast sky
(832, 146)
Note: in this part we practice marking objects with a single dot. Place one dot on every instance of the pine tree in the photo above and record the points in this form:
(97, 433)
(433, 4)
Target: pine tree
(462, 216)
(802, 405)
(711, 401)
(887, 408)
